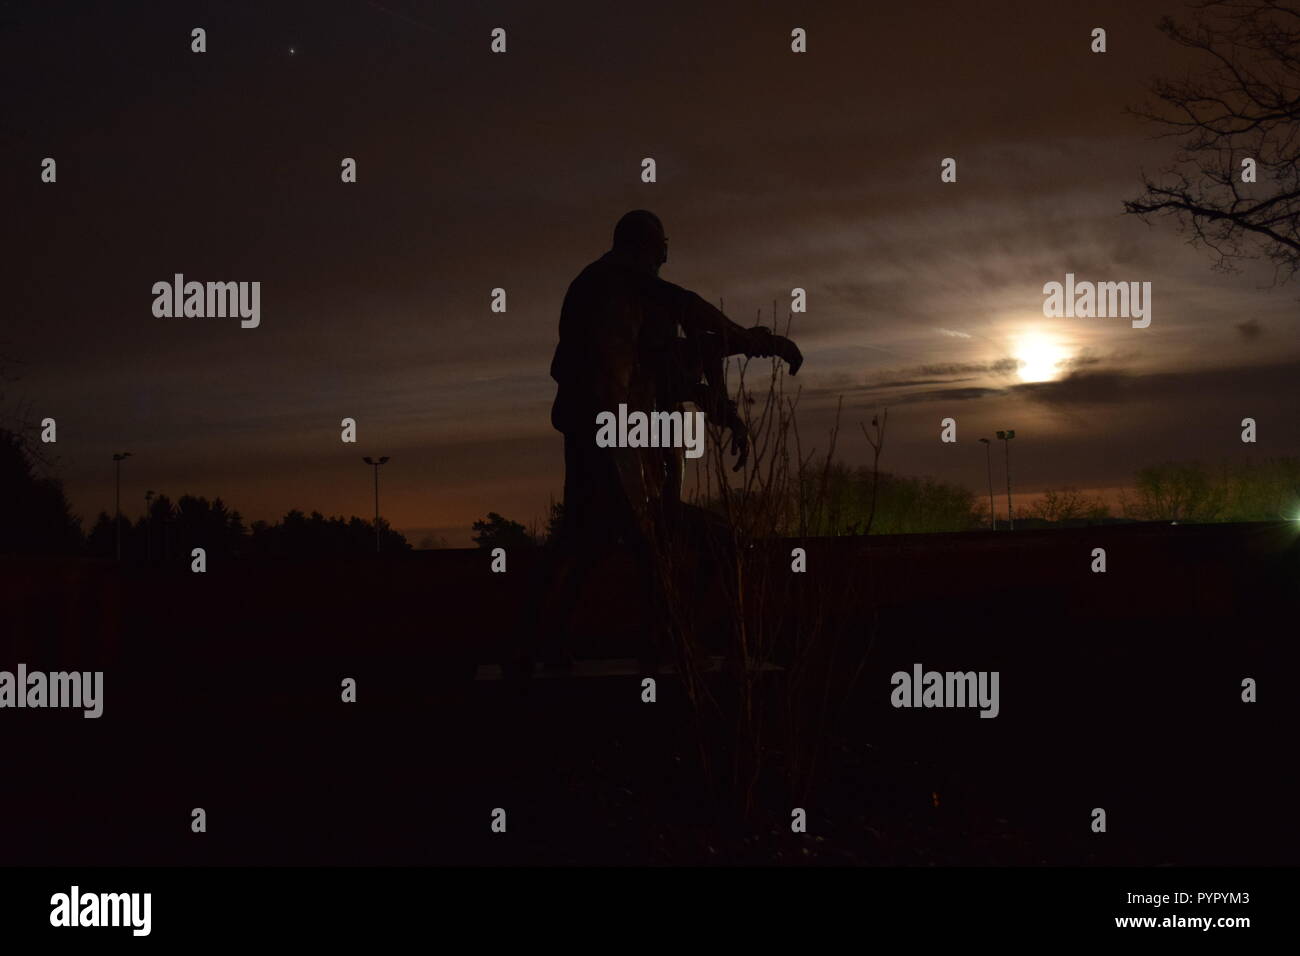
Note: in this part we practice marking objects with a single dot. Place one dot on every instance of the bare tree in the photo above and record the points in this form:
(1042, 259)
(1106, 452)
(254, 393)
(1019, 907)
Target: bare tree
(765, 654)
(877, 440)
(1068, 504)
(1244, 106)
(1177, 491)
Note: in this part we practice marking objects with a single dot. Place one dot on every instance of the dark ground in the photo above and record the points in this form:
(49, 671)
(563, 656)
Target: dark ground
(222, 690)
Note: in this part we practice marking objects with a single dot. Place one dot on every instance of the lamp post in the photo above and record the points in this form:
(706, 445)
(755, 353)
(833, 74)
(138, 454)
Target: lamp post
(1006, 436)
(376, 462)
(118, 458)
(988, 460)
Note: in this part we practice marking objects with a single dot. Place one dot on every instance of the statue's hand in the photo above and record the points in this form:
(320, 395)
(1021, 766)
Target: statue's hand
(768, 344)
(739, 437)
(785, 349)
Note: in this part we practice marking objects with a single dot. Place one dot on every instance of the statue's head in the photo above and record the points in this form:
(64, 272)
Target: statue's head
(639, 237)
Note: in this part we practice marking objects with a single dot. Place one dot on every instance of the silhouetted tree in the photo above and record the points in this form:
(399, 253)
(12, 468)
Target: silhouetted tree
(1177, 491)
(34, 512)
(1245, 105)
(1068, 506)
(554, 521)
(200, 523)
(300, 535)
(1249, 490)
(99, 542)
(865, 500)
(1268, 490)
(498, 532)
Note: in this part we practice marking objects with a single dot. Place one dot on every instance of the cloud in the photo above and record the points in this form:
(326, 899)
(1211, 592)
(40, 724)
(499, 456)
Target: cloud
(1173, 389)
(947, 373)
(1000, 366)
(1084, 358)
(960, 394)
(907, 383)
(1081, 388)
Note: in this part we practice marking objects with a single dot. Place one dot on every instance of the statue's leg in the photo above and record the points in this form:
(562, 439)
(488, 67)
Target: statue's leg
(675, 472)
(654, 563)
(596, 521)
(557, 588)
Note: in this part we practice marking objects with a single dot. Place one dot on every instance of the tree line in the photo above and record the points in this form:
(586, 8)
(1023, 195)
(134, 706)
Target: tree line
(854, 501)
(36, 518)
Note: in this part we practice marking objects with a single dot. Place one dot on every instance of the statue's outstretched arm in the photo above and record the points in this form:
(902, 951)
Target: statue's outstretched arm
(699, 317)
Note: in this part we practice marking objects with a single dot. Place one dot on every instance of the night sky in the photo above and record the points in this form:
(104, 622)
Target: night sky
(477, 170)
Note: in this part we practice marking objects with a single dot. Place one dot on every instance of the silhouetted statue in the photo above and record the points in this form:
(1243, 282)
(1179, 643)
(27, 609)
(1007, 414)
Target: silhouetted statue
(627, 337)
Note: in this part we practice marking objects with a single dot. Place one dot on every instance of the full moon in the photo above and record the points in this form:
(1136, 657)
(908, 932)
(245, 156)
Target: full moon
(1040, 357)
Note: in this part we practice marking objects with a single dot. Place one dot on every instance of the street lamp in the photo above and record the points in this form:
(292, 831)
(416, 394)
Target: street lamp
(1006, 436)
(117, 499)
(988, 459)
(376, 462)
